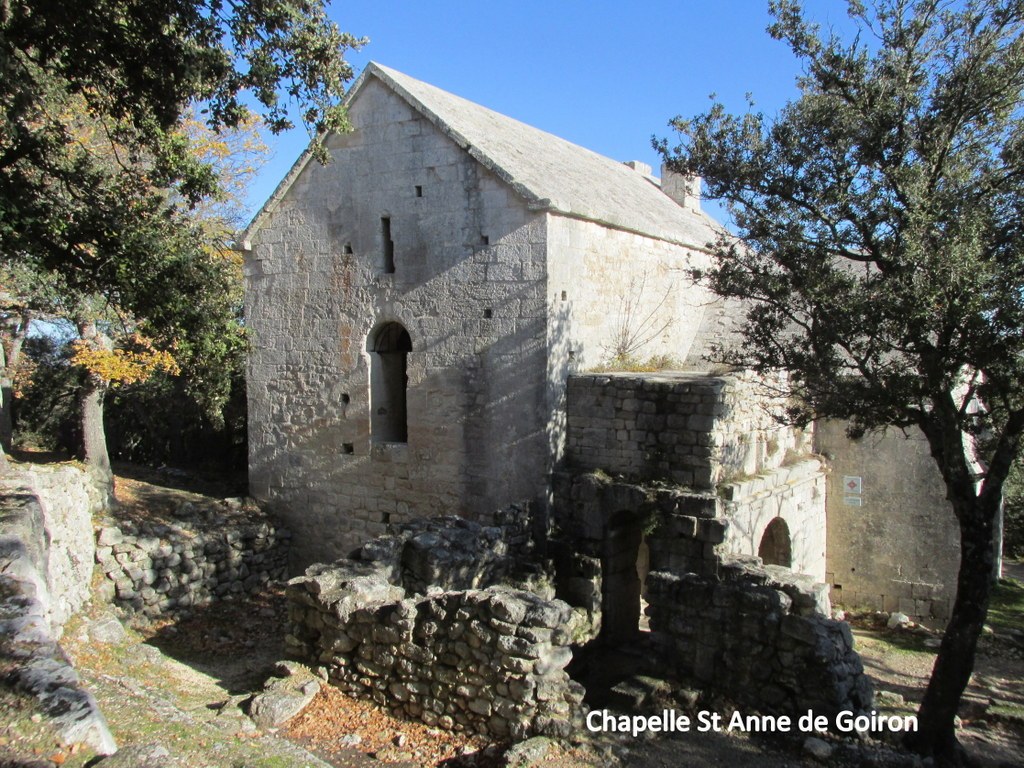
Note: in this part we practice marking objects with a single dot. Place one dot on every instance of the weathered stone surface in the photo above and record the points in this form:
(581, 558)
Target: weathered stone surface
(528, 753)
(897, 619)
(741, 636)
(71, 709)
(817, 748)
(46, 553)
(107, 630)
(282, 698)
(490, 660)
(140, 756)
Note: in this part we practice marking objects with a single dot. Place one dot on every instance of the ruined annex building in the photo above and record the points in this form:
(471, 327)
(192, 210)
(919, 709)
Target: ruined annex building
(424, 311)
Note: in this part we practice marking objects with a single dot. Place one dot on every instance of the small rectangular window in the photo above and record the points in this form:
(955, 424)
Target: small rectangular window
(389, 245)
(419, 191)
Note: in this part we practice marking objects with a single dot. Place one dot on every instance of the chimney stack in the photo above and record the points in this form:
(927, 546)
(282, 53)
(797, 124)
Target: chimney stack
(685, 190)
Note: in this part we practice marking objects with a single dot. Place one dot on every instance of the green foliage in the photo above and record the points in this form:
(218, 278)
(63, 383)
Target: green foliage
(46, 405)
(161, 420)
(124, 133)
(879, 214)
(133, 68)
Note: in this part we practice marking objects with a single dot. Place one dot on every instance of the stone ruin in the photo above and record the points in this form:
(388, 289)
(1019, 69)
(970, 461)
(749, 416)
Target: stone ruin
(759, 634)
(419, 622)
(457, 625)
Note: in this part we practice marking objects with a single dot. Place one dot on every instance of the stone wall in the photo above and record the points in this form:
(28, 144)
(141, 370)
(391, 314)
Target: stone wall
(63, 499)
(791, 497)
(484, 660)
(467, 286)
(706, 435)
(157, 568)
(690, 429)
(757, 633)
(894, 543)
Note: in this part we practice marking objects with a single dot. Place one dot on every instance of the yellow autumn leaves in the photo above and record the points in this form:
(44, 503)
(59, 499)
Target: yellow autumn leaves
(134, 361)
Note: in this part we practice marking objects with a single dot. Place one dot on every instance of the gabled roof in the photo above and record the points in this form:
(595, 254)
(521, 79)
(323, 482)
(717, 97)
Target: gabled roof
(550, 173)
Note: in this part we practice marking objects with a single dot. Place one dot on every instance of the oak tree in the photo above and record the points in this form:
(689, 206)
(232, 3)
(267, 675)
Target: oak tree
(879, 246)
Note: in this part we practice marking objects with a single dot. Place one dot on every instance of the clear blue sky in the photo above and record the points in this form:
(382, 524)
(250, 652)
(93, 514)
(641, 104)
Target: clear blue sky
(604, 74)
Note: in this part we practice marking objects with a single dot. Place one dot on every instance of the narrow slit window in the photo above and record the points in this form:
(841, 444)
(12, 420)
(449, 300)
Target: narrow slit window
(389, 245)
(419, 191)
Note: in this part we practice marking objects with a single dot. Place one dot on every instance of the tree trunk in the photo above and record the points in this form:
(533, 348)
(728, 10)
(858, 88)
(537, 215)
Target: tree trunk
(93, 447)
(93, 450)
(13, 339)
(936, 735)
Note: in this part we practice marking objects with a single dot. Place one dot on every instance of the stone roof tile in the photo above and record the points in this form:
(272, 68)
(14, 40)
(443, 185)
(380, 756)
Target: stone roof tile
(550, 172)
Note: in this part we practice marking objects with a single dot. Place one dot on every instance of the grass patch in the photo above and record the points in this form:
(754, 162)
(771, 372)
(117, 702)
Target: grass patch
(1006, 611)
(631, 364)
(896, 641)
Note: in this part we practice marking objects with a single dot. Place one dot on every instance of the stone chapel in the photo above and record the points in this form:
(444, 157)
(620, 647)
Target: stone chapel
(425, 308)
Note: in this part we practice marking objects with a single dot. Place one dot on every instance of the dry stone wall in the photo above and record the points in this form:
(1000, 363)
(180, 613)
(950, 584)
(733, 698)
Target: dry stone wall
(156, 568)
(485, 660)
(757, 633)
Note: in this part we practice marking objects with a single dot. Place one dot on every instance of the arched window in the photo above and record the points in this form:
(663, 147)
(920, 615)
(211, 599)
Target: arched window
(388, 348)
(776, 546)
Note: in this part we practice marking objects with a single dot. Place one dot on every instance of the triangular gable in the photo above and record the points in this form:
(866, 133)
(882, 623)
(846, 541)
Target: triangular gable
(549, 173)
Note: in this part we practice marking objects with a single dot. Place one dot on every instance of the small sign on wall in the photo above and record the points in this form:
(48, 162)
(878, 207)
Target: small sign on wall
(852, 487)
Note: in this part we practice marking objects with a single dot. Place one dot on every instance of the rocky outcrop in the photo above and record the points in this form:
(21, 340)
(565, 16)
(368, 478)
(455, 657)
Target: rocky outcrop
(45, 571)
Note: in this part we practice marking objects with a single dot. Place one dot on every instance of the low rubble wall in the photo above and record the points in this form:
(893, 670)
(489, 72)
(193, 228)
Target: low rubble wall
(757, 633)
(466, 657)
(212, 551)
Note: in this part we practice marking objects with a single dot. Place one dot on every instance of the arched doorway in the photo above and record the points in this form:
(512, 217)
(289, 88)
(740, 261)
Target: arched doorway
(776, 546)
(389, 348)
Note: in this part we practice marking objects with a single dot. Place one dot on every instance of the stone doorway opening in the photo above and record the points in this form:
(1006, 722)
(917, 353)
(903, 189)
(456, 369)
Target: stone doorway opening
(625, 563)
(776, 547)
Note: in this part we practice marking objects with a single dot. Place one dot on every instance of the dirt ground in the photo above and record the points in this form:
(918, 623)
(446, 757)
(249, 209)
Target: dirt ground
(184, 684)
